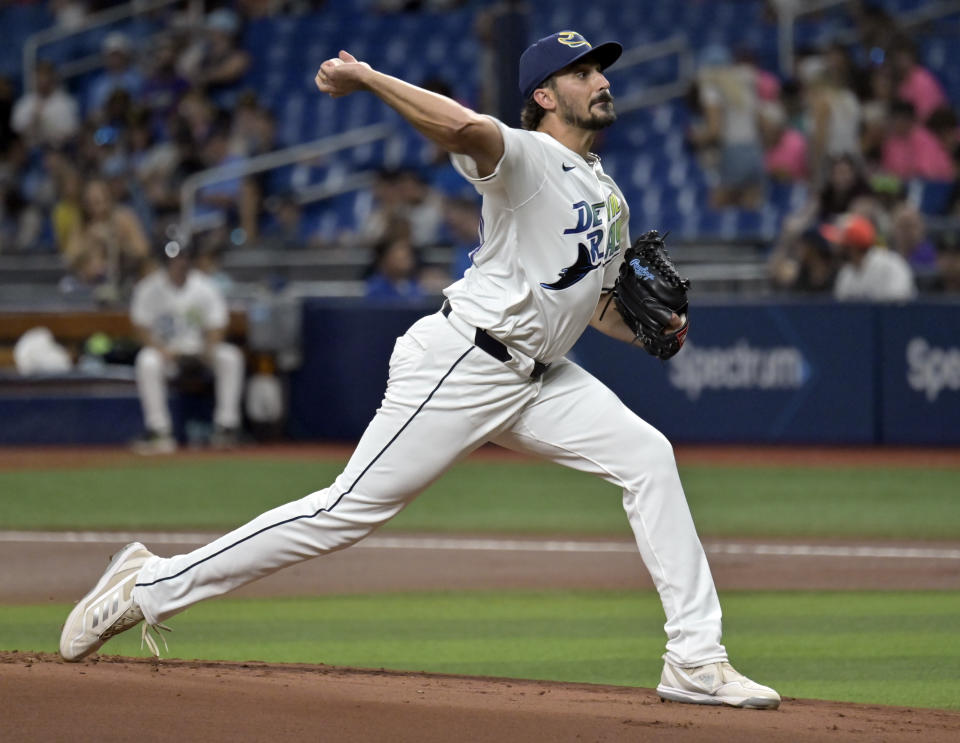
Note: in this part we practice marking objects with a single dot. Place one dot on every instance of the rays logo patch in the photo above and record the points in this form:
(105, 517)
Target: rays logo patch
(572, 38)
(572, 274)
(590, 254)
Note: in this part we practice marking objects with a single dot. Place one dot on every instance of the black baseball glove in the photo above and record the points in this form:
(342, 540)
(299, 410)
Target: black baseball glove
(648, 291)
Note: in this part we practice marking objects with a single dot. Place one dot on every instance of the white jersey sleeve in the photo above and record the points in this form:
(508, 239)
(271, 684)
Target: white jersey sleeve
(519, 174)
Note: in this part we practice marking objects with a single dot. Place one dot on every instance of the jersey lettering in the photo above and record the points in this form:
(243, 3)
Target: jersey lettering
(615, 220)
(588, 216)
(584, 218)
(595, 238)
(590, 255)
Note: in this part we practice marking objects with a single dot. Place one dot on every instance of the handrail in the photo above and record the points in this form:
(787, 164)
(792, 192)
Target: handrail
(271, 161)
(929, 12)
(677, 44)
(789, 10)
(101, 18)
(787, 13)
(350, 182)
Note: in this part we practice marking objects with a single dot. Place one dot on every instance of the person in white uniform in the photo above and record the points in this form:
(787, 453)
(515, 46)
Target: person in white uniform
(181, 317)
(490, 366)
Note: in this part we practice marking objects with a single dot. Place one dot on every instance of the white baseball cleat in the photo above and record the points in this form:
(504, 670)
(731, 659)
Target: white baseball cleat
(109, 608)
(714, 683)
(153, 443)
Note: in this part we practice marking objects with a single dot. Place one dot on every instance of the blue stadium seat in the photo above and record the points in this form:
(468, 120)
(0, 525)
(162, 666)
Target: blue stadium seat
(18, 22)
(748, 223)
(931, 197)
(646, 152)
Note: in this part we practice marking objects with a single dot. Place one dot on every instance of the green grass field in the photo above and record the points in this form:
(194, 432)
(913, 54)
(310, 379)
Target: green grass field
(891, 648)
(509, 497)
(882, 648)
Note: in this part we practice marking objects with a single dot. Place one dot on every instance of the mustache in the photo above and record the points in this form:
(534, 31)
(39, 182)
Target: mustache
(604, 97)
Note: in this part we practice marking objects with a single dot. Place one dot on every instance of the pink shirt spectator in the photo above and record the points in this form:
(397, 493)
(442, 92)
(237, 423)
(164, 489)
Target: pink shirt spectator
(917, 155)
(923, 90)
(768, 86)
(787, 159)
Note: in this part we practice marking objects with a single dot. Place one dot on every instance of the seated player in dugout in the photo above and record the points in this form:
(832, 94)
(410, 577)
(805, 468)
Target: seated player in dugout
(491, 366)
(181, 318)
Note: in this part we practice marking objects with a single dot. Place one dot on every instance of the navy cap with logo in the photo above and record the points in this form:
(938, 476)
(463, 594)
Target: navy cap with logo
(552, 53)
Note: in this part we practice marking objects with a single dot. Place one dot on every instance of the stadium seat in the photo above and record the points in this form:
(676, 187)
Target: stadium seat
(931, 197)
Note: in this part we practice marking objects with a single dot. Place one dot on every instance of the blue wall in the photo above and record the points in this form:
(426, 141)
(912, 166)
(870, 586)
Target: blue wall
(804, 373)
(70, 418)
(919, 359)
(79, 416)
(770, 373)
(346, 347)
(812, 372)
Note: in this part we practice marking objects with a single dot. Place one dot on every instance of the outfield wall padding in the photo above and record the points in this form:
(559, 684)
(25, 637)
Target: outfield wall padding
(799, 372)
(790, 372)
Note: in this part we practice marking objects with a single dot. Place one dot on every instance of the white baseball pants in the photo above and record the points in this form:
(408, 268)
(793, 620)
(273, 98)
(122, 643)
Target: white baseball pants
(152, 374)
(444, 398)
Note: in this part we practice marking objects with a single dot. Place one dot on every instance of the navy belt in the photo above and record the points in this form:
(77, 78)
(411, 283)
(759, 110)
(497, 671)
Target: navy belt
(486, 342)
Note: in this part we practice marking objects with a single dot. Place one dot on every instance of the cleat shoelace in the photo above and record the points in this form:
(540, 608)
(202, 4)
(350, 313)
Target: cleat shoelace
(147, 638)
(128, 619)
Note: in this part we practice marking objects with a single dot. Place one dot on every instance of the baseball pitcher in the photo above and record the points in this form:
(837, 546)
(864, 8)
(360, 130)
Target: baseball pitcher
(554, 256)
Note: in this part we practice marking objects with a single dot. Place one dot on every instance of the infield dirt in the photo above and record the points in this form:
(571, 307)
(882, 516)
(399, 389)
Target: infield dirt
(114, 699)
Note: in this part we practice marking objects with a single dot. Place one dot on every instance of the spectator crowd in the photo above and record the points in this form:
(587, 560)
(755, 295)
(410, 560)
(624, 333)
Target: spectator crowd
(93, 170)
(857, 125)
(95, 174)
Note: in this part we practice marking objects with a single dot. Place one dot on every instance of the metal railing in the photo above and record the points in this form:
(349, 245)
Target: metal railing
(278, 159)
(789, 10)
(928, 13)
(31, 47)
(189, 225)
(787, 13)
(677, 44)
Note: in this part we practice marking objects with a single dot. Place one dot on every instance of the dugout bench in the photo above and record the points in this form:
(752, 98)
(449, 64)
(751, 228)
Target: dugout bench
(83, 405)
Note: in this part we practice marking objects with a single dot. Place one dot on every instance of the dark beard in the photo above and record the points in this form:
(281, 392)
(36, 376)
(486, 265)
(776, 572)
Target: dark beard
(594, 122)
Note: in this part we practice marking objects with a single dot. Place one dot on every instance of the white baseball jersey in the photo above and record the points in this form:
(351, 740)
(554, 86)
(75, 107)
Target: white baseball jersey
(553, 228)
(179, 316)
(537, 293)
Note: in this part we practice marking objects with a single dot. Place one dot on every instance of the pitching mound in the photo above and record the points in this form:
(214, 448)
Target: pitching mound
(114, 699)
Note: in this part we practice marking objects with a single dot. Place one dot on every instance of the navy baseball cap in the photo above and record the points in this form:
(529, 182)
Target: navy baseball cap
(552, 53)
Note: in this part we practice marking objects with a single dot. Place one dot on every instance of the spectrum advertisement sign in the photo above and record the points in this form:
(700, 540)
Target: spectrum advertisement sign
(920, 363)
(798, 373)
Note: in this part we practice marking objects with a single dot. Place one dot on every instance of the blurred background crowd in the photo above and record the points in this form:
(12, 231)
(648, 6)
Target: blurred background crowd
(826, 162)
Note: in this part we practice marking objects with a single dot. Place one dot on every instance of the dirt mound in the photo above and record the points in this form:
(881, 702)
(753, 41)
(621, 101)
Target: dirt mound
(113, 699)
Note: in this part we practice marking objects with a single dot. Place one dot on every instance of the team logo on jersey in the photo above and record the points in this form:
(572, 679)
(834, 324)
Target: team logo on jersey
(593, 251)
(572, 38)
(572, 274)
(590, 254)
